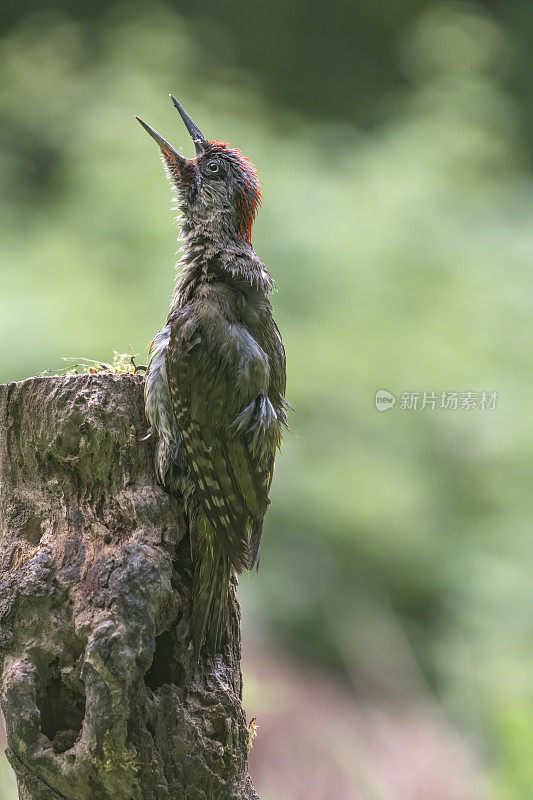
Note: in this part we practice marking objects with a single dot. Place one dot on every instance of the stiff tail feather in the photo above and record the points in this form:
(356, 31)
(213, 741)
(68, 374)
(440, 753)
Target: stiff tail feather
(212, 602)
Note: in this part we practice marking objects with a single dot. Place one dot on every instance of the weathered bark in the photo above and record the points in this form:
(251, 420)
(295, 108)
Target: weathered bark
(101, 695)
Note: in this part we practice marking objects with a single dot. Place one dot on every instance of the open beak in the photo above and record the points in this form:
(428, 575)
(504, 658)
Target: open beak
(163, 144)
(194, 131)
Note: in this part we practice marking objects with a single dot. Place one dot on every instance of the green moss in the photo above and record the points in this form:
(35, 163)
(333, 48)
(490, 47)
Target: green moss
(116, 759)
(121, 363)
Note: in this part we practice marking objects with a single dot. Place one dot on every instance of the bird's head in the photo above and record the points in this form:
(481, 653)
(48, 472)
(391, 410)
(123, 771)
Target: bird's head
(218, 190)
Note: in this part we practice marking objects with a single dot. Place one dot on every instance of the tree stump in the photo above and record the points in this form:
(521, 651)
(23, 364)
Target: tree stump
(100, 691)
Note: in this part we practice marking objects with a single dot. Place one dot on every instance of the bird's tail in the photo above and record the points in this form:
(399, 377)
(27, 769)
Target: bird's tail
(213, 609)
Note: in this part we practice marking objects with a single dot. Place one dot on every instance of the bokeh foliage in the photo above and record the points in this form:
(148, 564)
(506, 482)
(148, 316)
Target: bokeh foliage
(398, 546)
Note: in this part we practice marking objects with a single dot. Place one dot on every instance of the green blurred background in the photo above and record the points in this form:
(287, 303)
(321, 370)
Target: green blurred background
(394, 145)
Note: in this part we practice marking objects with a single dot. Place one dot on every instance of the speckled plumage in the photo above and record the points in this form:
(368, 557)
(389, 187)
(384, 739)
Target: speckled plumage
(216, 383)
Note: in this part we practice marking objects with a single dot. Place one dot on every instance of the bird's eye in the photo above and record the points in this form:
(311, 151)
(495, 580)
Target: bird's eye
(213, 167)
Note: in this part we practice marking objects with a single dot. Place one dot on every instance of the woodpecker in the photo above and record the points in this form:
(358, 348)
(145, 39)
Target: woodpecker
(214, 390)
